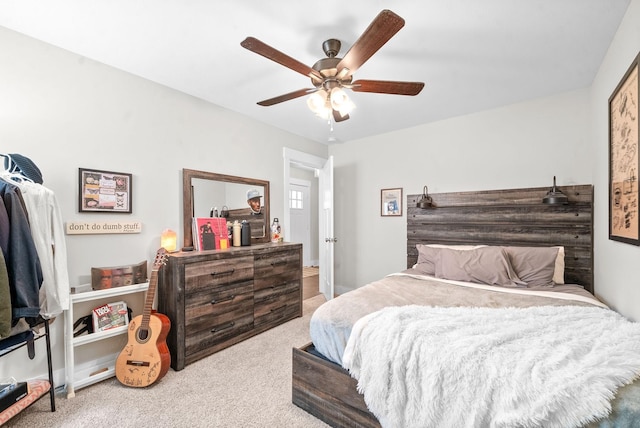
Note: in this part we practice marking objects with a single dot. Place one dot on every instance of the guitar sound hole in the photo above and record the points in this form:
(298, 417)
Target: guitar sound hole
(143, 335)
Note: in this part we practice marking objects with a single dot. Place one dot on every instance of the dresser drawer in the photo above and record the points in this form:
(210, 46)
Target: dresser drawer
(213, 273)
(218, 301)
(276, 268)
(276, 304)
(211, 318)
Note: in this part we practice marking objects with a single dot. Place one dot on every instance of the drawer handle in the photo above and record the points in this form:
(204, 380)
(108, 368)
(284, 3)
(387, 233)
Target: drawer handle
(273, 287)
(224, 272)
(214, 301)
(280, 308)
(278, 263)
(224, 327)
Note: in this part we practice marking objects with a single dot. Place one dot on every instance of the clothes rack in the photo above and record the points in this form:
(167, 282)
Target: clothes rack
(37, 388)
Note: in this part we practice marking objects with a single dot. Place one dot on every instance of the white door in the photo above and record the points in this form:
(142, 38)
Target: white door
(326, 237)
(324, 170)
(300, 216)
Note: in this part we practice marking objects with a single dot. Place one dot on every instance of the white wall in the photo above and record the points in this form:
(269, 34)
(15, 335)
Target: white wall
(64, 112)
(617, 271)
(522, 145)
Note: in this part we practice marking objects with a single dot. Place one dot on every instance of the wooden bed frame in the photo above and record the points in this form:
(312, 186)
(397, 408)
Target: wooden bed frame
(496, 217)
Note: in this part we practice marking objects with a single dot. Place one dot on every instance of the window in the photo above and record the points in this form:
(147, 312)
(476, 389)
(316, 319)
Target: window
(295, 200)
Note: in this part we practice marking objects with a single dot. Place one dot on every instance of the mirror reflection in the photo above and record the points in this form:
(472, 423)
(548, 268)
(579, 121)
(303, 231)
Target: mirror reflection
(207, 194)
(233, 201)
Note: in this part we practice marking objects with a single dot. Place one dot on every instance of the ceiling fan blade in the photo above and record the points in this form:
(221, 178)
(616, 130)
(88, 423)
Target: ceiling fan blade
(387, 87)
(338, 118)
(287, 97)
(383, 28)
(261, 48)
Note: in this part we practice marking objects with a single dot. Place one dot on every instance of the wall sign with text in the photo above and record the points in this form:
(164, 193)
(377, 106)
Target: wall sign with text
(102, 227)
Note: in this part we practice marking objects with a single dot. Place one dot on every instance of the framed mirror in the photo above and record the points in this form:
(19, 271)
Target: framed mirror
(206, 194)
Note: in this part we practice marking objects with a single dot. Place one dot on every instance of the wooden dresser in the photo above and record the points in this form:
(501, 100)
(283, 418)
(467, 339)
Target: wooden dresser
(218, 298)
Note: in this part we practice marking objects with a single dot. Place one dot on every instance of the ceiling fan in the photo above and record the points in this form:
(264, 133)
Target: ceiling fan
(331, 75)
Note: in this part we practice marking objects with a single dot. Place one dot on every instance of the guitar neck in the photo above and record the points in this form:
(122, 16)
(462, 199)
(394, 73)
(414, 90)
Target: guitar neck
(148, 303)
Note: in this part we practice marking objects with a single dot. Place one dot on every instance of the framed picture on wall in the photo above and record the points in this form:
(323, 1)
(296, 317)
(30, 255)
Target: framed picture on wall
(624, 214)
(104, 191)
(391, 202)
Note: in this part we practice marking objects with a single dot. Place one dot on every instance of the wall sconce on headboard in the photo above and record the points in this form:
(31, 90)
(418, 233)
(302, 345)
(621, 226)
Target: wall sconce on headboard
(425, 201)
(555, 196)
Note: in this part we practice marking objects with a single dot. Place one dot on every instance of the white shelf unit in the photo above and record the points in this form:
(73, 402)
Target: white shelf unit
(103, 367)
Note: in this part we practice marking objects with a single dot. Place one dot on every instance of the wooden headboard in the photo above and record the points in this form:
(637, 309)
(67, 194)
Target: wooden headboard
(509, 217)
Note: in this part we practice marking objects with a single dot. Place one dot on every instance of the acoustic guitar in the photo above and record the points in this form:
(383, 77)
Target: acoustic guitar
(146, 359)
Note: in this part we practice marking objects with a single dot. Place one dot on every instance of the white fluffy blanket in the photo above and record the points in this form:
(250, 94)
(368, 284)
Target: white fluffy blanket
(421, 366)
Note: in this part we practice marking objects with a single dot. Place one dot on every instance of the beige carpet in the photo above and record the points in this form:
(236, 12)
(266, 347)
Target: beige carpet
(247, 385)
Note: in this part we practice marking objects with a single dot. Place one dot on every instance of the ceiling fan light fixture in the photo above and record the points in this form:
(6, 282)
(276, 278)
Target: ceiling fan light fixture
(346, 108)
(323, 103)
(324, 113)
(320, 104)
(339, 98)
(317, 101)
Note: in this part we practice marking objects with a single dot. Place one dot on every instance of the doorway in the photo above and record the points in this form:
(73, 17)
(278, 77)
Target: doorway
(300, 212)
(303, 209)
(319, 172)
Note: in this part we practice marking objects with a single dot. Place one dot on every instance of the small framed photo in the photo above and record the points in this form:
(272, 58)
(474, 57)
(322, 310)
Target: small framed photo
(104, 191)
(391, 202)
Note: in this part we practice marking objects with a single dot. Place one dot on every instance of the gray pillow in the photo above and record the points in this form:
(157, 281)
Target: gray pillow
(426, 259)
(427, 254)
(486, 265)
(534, 265)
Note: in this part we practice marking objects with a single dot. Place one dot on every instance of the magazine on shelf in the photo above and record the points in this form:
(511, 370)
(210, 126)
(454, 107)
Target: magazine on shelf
(110, 316)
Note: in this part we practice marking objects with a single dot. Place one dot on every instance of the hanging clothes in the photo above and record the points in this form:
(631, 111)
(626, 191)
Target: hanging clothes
(18, 164)
(5, 300)
(21, 257)
(47, 231)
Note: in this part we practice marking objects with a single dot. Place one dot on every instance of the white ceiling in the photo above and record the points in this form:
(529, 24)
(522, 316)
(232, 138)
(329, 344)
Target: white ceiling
(472, 54)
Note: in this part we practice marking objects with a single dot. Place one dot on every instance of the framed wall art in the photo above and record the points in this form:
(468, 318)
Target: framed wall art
(104, 191)
(624, 218)
(391, 202)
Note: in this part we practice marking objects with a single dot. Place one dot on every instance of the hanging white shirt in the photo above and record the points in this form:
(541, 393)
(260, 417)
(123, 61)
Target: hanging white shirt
(47, 230)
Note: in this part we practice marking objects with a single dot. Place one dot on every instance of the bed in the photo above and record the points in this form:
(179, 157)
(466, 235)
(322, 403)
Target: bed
(465, 233)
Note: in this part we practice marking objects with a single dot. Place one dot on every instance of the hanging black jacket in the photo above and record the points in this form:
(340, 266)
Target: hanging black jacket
(23, 264)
